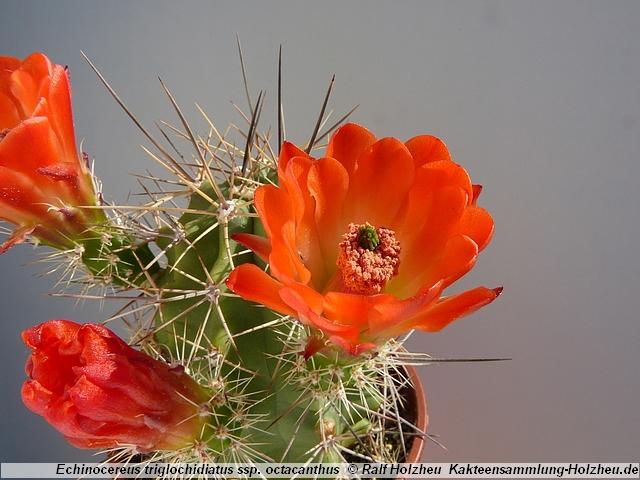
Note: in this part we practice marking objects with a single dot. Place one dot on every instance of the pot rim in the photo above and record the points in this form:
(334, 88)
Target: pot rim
(418, 402)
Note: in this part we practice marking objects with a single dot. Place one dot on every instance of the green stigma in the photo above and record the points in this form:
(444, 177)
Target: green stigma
(367, 237)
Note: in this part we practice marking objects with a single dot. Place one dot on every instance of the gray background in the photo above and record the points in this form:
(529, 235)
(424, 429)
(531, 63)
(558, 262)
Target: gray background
(539, 101)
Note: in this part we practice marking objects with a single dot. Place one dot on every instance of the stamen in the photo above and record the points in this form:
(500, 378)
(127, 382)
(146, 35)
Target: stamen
(368, 258)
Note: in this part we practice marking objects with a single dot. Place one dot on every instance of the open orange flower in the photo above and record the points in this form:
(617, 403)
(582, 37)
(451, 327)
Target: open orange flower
(101, 393)
(42, 179)
(362, 243)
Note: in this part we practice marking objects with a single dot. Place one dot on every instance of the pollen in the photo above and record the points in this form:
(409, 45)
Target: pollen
(367, 266)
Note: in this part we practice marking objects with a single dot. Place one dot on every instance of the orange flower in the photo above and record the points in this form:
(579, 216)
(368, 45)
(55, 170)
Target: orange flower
(362, 243)
(42, 180)
(101, 393)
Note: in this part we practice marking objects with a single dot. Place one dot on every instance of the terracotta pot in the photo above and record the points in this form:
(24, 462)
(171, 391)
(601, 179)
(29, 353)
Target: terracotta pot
(417, 403)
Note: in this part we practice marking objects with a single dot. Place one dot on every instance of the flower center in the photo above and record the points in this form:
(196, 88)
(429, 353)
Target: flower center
(367, 237)
(368, 258)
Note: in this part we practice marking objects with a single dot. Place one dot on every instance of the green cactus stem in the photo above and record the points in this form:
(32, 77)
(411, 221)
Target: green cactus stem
(118, 259)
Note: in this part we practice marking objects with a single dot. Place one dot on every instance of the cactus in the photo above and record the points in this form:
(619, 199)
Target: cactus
(298, 361)
(267, 402)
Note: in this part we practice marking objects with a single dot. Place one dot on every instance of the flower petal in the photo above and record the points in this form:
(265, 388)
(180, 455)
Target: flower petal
(252, 283)
(307, 293)
(306, 243)
(423, 247)
(7, 66)
(21, 201)
(275, 209)
(385, 316)
(9, 115)
(477, 224)
(428, 179)
(447, 310)
(379, 184)
(58, 109)
(350, 347)
(427, 149)
(347, 143)
(288, 151)
(30, 145)
(257, 244)
(309, 317)
(25, 91)
(328, 183)
(352, 309)
(19, 235)
(477, 190)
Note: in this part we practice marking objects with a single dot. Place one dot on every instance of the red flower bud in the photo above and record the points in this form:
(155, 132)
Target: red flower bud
(101, 393)
(42, 179)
